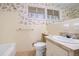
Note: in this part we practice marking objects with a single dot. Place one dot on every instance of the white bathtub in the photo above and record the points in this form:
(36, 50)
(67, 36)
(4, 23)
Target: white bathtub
(8, 49)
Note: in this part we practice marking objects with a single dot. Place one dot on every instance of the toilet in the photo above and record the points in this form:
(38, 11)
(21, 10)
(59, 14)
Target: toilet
(40, 48)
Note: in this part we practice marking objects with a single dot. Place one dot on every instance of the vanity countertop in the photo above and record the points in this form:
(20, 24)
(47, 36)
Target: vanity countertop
(66, 45)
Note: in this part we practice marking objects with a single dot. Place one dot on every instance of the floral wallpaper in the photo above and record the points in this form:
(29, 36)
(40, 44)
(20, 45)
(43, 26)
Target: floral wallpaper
(70, 13)
(21, 8)
(9, 6)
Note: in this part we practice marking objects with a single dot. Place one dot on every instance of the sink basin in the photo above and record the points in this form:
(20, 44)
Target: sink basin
(66, 40)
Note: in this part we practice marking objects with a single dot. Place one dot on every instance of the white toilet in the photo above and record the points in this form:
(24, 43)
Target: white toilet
(40, 48)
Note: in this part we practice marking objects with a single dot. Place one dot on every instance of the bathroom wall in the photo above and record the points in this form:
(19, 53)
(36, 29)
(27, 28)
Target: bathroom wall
(70, 26)
(69, 15)
(17, 28)
(13, 30)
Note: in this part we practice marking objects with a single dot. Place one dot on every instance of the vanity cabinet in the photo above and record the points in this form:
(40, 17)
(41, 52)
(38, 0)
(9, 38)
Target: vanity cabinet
(54, 50)
(56, 47)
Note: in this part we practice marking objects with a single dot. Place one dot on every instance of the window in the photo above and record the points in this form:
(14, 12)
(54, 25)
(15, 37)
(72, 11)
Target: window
(39, 13)
(52, 14)
(56, 14)
(34, 12)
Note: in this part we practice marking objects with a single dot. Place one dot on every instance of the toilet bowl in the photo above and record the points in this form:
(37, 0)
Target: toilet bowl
(40, 48)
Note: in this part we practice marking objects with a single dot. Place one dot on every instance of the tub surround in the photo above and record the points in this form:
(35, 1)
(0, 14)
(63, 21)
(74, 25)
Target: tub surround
(65, 47)
(8, 49)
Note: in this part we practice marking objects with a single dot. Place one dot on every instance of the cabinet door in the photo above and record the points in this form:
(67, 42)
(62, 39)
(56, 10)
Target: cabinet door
(54, 50)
